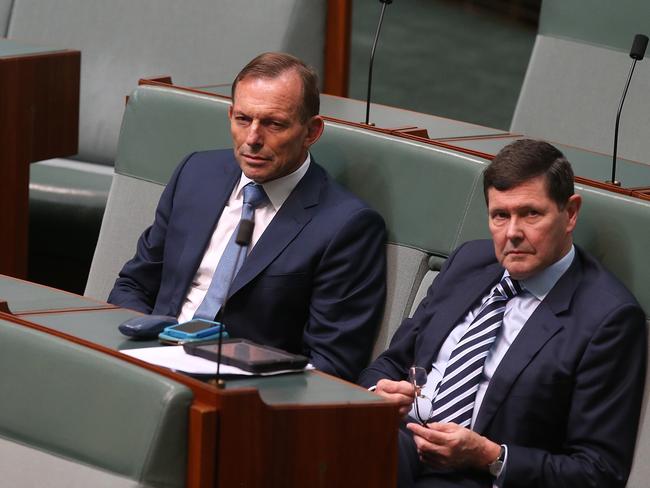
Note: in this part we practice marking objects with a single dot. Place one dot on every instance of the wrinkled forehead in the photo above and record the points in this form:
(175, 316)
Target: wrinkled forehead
(533, 191)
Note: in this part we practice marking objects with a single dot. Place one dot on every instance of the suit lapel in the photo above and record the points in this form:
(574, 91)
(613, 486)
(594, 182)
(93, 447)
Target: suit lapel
(294, 214)
(213, 198)
(537, 331)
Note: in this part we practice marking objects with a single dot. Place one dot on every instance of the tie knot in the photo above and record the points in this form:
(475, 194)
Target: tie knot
(508, 288)
(254, 195)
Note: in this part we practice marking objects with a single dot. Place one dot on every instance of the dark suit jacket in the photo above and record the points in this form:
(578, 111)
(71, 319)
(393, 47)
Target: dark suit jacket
(314, 283)
(566, 397)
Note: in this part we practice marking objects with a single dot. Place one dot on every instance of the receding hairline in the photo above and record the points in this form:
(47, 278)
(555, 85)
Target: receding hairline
(273, 65)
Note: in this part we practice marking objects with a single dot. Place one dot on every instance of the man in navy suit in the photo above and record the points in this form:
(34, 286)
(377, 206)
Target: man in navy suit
(553, 398)
(314, 279)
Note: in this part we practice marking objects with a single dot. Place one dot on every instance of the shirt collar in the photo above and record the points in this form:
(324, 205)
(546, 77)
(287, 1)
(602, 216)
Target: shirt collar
(278, 190)
(542, 283)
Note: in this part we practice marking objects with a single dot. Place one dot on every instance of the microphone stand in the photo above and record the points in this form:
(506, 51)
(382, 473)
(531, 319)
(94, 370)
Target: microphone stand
(372, 56)
(243, 238)
(636, 53)
(618, 117)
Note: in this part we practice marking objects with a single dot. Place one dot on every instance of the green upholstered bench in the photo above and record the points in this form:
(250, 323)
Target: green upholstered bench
(91, 421)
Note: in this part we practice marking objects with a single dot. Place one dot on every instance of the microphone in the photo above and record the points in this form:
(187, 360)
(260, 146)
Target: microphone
(636, 53)
(372, 56)
(242, 239)
(638, 47)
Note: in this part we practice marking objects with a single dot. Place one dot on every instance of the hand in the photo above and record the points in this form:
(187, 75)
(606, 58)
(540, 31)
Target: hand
(452, 446)
(400, 392)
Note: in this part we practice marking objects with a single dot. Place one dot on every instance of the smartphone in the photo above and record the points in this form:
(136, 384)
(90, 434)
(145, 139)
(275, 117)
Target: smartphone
(193, 329)
(249, 356)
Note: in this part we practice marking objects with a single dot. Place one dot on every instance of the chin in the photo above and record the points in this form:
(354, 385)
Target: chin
(255, 175)
(519, 270)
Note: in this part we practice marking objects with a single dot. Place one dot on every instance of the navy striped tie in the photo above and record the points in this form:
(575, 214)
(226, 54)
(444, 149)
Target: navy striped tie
(454, 401)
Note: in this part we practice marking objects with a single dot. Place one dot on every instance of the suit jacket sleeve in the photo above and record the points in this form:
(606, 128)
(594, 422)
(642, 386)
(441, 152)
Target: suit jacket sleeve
(139, 281)
(348, 294)
(603, 414)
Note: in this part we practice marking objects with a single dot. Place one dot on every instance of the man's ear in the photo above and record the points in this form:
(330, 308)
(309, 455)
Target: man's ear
(315, 128)
(230, 112)
(572, 209)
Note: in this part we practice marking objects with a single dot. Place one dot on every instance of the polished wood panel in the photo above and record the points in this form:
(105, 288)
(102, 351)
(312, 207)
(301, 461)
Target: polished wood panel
(236, 439)
(39, 119)
(337, 47)
(266, 446)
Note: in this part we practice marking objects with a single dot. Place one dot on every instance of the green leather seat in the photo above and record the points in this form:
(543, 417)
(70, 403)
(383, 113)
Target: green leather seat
(71, 416)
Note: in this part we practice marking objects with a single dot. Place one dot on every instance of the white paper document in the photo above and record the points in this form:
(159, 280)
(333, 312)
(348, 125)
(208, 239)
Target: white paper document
(175, 357)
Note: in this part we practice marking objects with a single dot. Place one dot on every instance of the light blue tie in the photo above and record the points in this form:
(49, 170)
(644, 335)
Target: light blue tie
(232, 258)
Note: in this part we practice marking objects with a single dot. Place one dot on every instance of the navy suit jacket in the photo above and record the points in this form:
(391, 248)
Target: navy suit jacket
(313, 284)
(566, 397)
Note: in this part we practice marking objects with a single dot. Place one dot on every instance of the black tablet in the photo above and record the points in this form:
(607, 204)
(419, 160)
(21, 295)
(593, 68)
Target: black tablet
(248, 356)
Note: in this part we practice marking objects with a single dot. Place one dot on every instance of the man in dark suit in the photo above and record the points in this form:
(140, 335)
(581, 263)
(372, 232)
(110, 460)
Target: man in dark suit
(314, 279)
(534, 354)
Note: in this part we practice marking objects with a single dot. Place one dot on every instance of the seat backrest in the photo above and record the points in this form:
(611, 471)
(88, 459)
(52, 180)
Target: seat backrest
(197, 42)
(160, 126)
(424, 194)
(576, 76)
(92, 410)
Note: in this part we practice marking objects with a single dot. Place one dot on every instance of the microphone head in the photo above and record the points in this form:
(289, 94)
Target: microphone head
(638, 47)
(244, 232)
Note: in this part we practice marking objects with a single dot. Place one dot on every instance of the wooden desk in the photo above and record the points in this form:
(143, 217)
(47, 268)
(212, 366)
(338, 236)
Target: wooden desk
(289, 431)
(39, 119)
(23, 297)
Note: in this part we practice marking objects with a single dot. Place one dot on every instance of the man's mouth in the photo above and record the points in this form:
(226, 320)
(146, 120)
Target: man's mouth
(254, 158)
(516, 253)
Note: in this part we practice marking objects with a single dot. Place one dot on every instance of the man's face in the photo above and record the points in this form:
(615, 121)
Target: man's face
(269, 137)
(529, 231)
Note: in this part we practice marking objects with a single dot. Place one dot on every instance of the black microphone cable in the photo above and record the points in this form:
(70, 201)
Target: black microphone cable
(372, 56)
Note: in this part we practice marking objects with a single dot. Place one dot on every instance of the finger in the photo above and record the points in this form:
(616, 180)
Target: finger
(403, 402)
(447, 427)
(428, 449)
(432, 433)
(401, 387)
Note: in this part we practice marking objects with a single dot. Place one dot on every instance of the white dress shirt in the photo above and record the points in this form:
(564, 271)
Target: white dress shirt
(278, 191)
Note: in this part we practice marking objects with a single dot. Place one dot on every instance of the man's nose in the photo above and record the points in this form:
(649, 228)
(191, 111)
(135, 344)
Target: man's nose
(514, 231)
(254, 135)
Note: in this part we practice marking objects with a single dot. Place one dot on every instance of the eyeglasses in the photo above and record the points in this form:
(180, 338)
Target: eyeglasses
(418, 378)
